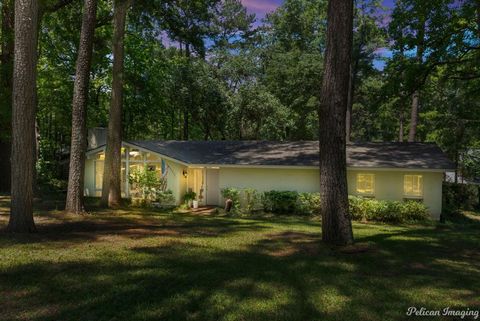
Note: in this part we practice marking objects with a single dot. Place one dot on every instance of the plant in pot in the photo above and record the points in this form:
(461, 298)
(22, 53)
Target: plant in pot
(189, 197)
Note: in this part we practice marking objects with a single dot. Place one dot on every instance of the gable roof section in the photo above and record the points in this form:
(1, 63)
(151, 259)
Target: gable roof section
(299, 153)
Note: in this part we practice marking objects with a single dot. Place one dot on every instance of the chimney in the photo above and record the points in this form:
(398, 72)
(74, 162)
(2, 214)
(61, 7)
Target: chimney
(96, 137)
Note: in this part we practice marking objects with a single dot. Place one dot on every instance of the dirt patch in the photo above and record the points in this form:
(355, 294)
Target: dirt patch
(289, 243)
(357, 248)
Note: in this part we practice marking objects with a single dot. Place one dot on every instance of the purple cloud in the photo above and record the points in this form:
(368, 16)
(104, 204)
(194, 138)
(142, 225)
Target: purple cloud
(261, 7)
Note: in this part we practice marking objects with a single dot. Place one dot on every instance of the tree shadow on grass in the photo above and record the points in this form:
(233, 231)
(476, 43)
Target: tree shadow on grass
(83, 229)
(263, 281)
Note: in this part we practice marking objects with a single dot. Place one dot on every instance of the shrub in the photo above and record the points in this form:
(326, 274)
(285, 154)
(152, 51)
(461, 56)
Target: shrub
(234, 195)
(460, 197)
(189, 196)
(365, 209)
(145, 184)
(309, 203)
(251, 200)
(165, 198)
(280, 202)
(291, 202)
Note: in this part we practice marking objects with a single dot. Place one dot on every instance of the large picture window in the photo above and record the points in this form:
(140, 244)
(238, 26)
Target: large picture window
(413, 186)
(366, 184)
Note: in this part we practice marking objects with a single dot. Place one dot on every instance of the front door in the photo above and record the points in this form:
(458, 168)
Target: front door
(213, 190)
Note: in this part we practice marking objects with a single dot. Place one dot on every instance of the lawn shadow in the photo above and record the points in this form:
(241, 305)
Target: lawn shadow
(280, 276)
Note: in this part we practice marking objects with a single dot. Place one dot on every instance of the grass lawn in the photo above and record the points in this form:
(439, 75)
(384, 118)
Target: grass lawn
(145, 265)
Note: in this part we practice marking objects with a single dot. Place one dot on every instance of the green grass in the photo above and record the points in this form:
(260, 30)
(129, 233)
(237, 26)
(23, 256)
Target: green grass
(143, 265)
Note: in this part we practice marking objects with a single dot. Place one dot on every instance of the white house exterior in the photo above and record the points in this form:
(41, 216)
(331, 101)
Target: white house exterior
(386, 171)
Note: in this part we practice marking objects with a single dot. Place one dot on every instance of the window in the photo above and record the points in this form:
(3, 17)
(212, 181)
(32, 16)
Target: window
(135, 155)
(98, 175)
(366, 184)
(413, 186)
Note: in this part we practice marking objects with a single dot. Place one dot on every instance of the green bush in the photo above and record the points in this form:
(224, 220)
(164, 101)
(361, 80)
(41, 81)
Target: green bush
(280, 202)
(189, 196)
(309, 203)
(165, 198)
(291, 203)
(364, 209)
(251, 200)
(460, 197)
(234, 195)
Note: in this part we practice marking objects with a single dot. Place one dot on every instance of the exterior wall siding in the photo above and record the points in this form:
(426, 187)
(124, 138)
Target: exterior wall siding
(388, 183)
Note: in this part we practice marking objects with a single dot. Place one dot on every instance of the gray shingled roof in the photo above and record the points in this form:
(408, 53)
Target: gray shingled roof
(299, 153)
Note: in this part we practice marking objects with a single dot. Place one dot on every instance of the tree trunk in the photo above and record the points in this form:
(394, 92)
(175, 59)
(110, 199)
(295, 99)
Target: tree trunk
(412, 134)
(348, 120)
(78, 148)
(23, 116)
(401, 130)
(6, 72)
(111, 190)
(336, 224)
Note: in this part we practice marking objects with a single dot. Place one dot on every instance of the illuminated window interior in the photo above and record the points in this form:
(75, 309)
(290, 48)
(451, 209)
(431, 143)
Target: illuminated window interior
(413, 185)
(98, 175)
(366, 184)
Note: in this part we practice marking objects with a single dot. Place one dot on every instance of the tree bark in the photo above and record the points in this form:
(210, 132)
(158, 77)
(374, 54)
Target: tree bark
(74, 203)
(351, 89)
(6, 72)
(336, 224)
(412, 134)
(400, 130)
(23, 116)
(111, 190)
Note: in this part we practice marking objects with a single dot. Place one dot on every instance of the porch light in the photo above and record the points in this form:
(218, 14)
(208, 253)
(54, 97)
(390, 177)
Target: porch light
(185, 173)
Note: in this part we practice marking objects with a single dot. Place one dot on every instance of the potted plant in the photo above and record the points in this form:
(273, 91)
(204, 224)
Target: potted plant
(189, 197)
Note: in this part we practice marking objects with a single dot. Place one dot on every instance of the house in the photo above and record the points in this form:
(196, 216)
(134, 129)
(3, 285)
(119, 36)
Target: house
(386, 171)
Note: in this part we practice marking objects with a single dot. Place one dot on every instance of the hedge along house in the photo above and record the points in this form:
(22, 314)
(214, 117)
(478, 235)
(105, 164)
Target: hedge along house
(385, 171)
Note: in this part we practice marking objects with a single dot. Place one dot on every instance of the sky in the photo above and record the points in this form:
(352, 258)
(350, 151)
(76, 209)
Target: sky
(261, 7)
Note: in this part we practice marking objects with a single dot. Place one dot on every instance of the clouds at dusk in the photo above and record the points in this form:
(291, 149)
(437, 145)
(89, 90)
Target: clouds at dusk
(261, 7)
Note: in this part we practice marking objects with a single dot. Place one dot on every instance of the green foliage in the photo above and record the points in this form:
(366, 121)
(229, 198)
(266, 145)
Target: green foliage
(189, 196)
(291, 203)
(146, 185)
(165, 198)
(252, 200)
(365, 209)
(309, 203)
(232, 194)
(460, 197)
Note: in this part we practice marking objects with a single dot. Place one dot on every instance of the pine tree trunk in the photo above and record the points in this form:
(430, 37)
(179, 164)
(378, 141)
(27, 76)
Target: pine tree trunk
(78, 148)
(23, 116)
(336, 224)
(6, 72)
(351, 88)
(412, 134)
(111, 190)
(400, 130)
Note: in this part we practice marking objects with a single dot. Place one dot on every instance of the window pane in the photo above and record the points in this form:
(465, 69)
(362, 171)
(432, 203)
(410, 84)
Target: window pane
(98, 175)
(135, 155)
(366, 184)
(155, 167)
(123, 177)
(413, 185)
(152, 157)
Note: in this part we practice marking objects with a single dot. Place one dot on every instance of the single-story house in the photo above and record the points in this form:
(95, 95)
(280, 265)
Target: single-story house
(385, 171)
